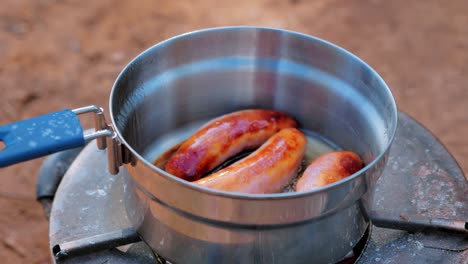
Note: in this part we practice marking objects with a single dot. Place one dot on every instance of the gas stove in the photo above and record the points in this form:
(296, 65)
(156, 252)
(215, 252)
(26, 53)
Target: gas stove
(419, 214)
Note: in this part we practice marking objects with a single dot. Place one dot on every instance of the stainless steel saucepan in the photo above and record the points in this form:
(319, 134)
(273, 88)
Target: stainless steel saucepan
(173, 86)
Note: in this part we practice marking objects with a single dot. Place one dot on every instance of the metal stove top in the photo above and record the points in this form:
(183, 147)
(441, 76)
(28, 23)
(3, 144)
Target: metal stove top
(422, 190)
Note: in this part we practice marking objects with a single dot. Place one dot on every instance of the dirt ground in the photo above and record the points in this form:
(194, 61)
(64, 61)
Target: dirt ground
(66, 54)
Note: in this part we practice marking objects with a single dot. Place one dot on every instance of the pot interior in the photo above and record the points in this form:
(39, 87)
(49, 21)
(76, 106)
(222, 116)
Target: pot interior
(201, 75)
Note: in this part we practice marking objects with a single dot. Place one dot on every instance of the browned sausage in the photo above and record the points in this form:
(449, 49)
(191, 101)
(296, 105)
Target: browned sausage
(329, 168)
(223, 138)
(267, 170)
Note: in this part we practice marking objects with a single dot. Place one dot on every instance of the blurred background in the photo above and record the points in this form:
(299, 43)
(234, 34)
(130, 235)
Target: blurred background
(66, 54)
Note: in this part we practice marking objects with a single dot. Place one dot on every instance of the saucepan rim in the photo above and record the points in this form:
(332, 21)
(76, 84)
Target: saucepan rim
(242, 196)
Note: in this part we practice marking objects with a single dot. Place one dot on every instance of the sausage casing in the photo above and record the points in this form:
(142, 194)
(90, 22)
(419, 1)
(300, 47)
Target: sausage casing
(329, 168)
(267, 170)
(223, 138)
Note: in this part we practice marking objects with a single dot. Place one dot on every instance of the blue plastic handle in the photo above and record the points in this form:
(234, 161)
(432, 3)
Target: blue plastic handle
(39, 136)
